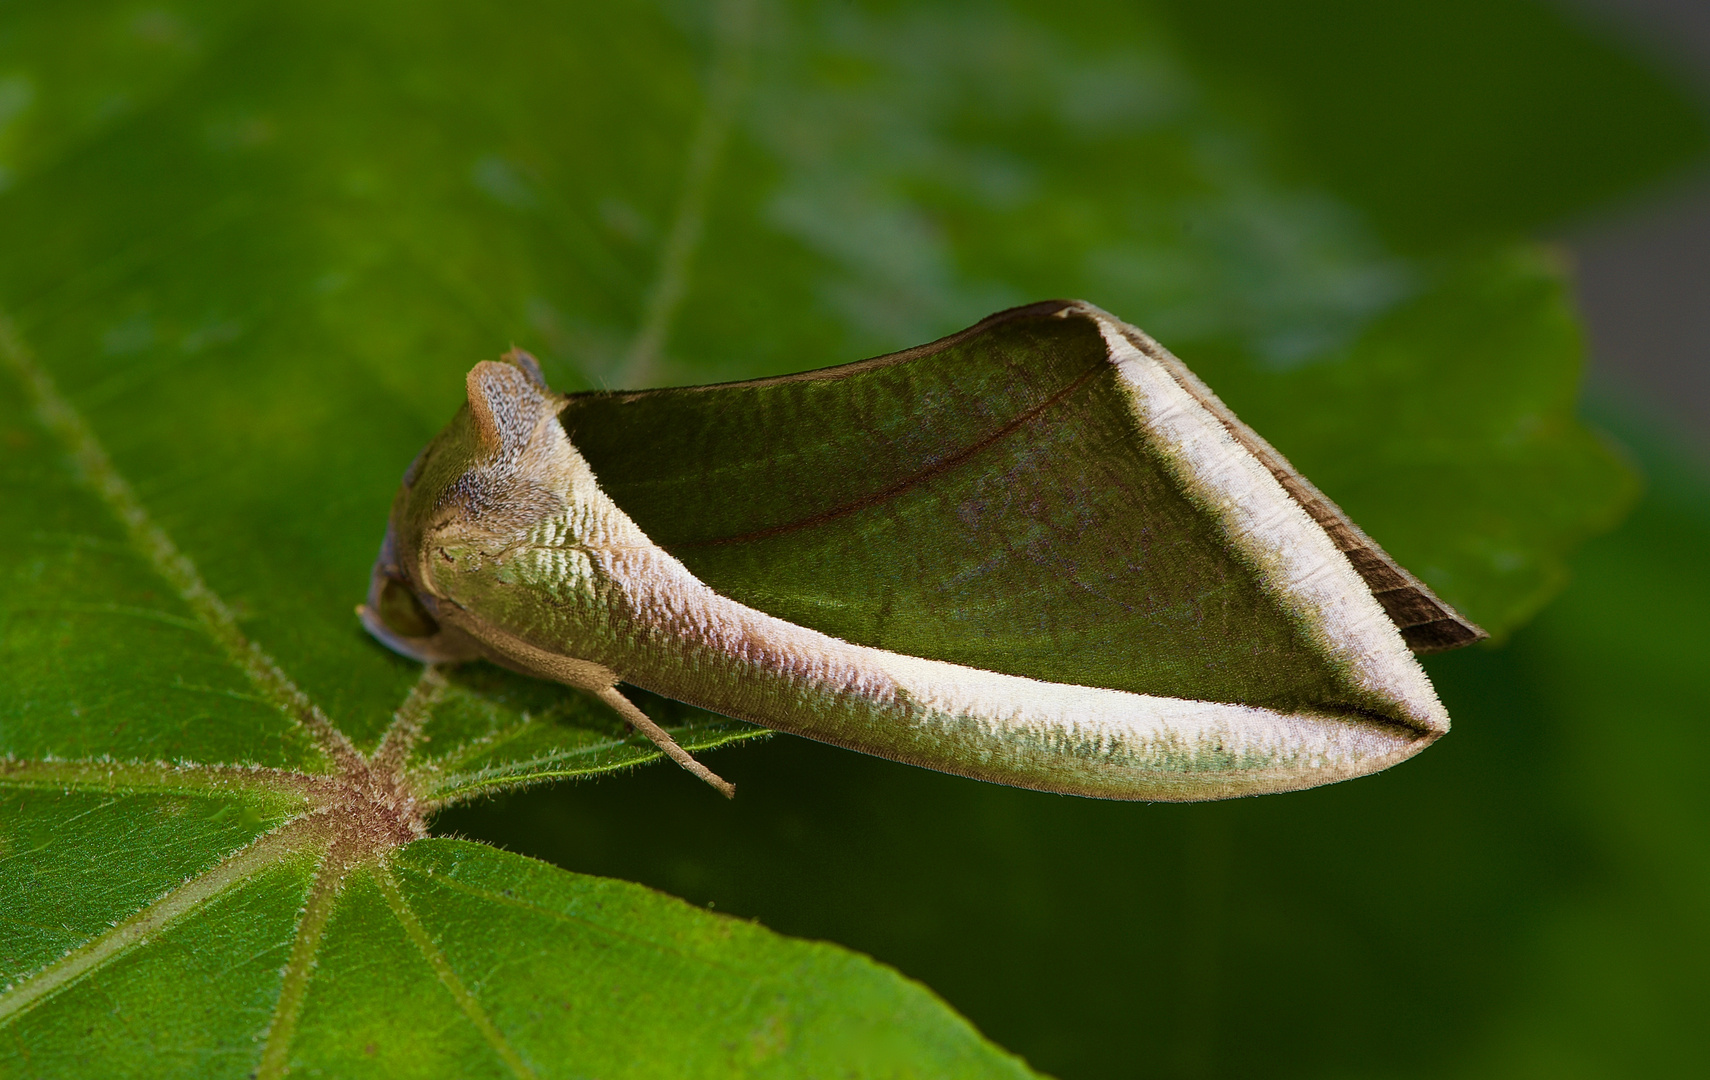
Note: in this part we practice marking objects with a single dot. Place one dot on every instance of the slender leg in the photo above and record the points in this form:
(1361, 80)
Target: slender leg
(640, 722)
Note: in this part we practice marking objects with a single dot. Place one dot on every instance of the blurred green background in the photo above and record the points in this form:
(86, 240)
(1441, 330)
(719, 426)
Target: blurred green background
(258, 245)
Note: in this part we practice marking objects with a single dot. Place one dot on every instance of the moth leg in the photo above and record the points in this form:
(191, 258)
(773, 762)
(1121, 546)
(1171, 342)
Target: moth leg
(640, 722)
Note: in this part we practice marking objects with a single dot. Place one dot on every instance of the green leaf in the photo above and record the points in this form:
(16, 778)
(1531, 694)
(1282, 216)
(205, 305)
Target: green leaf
(252, 248)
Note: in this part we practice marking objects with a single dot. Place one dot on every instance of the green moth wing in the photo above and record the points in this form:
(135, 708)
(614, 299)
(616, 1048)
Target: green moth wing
(1038, 552)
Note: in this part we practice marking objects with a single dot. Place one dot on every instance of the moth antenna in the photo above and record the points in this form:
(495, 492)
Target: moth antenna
(662, 739)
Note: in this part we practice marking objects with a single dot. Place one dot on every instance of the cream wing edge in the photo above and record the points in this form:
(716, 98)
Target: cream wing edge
(1297, 560)
(614, 605)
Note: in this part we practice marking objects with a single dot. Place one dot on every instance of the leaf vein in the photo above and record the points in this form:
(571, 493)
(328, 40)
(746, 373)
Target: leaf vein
(299, 969)
(155, 777)
(407, 722)
(60, 418)
(96, 953)
(444, 882)
(448, 978)
(706, 147)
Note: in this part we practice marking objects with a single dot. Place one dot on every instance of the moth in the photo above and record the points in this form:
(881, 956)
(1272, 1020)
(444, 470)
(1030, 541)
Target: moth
(1038, 552)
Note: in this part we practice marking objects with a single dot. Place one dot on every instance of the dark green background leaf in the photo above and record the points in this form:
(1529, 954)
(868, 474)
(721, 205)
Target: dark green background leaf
(255, 247)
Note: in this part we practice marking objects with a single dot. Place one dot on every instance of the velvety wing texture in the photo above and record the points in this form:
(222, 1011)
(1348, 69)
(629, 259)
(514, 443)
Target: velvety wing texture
(988, 500)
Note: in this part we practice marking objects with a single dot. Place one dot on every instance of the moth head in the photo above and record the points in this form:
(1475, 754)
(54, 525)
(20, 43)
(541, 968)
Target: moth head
(479, 485)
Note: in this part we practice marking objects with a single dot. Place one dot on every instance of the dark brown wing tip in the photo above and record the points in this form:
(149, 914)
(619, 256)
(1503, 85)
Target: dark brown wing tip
(1442, 635)
(1426, 623)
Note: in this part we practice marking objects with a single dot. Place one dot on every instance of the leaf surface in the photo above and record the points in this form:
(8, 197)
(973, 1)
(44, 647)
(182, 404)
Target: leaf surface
(250, 251)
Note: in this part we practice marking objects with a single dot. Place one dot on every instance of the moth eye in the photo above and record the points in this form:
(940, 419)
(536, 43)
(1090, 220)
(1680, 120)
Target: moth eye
(402, 613)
